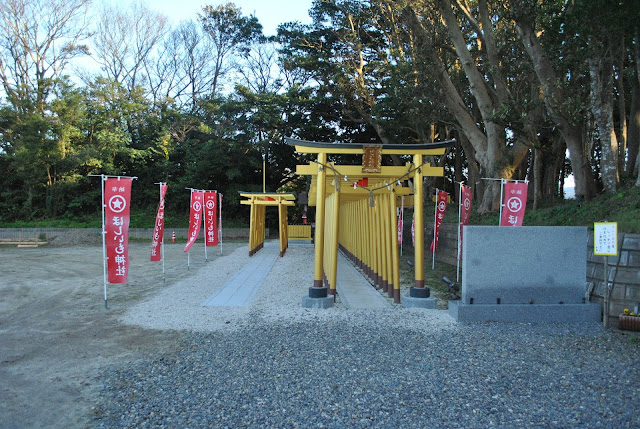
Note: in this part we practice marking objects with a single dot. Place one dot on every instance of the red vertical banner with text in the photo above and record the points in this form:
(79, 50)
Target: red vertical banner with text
(211, 218)
(117, 199)
(466, 198)
(158, 229)
(515, 203)
(195, 218)
(441, 207)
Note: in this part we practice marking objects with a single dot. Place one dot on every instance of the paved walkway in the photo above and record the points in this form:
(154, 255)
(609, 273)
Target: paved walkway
(354, 290)
(240, 289)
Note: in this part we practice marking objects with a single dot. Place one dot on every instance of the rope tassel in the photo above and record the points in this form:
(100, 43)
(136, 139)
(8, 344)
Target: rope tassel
(371, 202)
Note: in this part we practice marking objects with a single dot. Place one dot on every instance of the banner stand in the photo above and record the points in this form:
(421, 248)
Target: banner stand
(435, 219)
(220, 222)
(104, 242)
(103, 179)
(459, 231)
(204, 226)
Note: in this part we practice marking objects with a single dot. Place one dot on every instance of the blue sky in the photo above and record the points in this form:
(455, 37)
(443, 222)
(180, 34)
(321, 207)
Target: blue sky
(270, 13)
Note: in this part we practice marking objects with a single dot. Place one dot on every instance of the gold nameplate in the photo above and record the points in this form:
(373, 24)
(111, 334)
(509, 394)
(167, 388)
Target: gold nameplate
(371, 158)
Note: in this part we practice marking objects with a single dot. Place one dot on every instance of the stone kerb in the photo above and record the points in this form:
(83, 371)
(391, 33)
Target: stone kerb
(524, 274)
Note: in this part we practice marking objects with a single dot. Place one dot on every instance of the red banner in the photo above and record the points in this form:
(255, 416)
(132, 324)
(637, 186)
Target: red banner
(441, 207)
(401, 222)
(211, 218)
(466, 198)
(117, 197)
(515, 203)
(158, 229)
(195, 218)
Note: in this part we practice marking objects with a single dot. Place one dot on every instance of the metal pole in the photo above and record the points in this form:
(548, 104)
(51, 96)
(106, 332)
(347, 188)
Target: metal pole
(104, 244)
(402, 225)
(189, 252)
(459, 231)
(164, 279)
(607, 293)
(220, 221)
(501, 188)
(204, 226)
(435, 217)
(264, 174)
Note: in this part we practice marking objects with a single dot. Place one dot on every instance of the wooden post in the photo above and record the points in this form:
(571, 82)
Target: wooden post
(334, 245)
(320, 206)
(418, 207)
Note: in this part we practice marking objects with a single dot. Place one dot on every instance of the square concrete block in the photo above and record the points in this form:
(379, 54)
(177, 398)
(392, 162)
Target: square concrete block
(325, 302)
(412, 302)
(523, 265)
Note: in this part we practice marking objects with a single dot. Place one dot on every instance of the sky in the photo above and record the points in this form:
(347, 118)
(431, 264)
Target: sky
(270, 13)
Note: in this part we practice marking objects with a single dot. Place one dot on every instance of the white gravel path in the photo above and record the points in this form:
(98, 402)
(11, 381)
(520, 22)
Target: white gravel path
(179, 306)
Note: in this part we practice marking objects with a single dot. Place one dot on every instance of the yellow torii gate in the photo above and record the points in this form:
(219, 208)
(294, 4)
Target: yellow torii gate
(356, 209)
(258, 202)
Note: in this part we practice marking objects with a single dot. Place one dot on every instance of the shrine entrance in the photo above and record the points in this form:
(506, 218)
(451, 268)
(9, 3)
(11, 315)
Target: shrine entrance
(258, 203)
(356, 209)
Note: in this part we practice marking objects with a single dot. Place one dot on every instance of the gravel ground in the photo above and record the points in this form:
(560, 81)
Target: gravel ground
(276, 364)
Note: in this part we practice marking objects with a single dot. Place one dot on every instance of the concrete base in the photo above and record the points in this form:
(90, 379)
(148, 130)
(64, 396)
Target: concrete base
(525, 313)
(412, 302)
(326, 302)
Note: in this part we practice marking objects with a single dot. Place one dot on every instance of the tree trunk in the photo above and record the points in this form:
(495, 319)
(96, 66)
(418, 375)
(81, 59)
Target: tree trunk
(554, 99)
(601, 79)
(622, 109)
(634, 131)
(489, 142)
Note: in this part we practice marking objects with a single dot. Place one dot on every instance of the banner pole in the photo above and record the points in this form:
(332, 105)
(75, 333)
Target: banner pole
(459, 230)
(501, 189)
(189, 251)
(204, 226)
(435, 217)
(402, 225)
(104, 243)
(164, 279)
(220, 221)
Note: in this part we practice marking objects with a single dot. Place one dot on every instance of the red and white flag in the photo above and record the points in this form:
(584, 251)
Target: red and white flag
(211, 218)
(515, 203)
(466, 198)
(195, 218)
(117, 198)
(441, 207)
(401, 222)
(158, 229)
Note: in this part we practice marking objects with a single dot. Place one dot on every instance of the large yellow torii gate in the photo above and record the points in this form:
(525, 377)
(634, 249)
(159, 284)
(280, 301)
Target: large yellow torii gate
(356, 209)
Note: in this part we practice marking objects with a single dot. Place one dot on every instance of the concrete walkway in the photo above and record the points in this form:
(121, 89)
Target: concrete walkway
(353, 289)
(240, 289)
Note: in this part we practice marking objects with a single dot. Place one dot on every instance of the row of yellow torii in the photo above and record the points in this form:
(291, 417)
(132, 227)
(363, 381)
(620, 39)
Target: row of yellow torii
(360, 220)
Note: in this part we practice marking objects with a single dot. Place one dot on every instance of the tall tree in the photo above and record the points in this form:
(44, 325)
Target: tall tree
(230, 33)
(471, 33)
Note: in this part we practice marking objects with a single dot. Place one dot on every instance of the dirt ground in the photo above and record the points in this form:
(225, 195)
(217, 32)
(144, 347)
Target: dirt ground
(56, 337)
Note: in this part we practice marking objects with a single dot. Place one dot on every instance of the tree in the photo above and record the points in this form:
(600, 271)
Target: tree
(124, 41)
(38, 38)
(37, 41)
(472, 36)
(230, 33)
